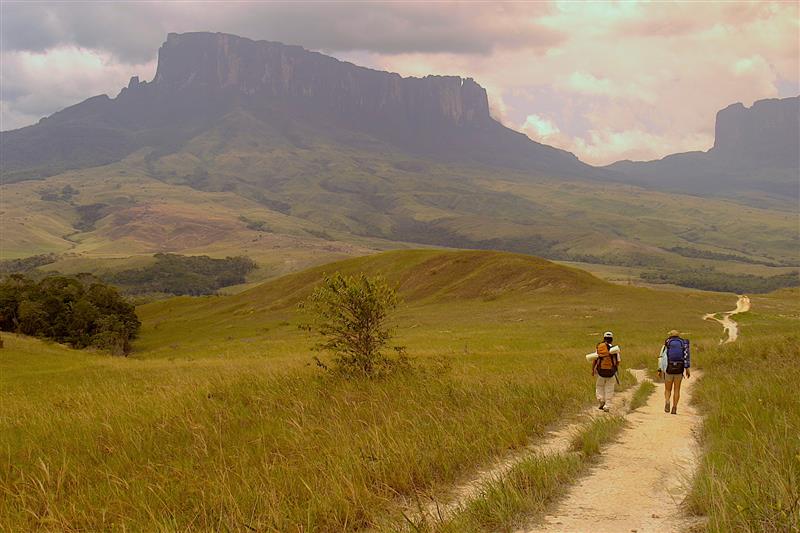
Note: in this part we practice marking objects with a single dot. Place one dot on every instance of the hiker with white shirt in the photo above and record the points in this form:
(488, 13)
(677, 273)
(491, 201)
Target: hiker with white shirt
(605, 365)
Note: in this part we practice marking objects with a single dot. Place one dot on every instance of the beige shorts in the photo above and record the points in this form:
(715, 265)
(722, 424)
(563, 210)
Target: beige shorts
(669, 378)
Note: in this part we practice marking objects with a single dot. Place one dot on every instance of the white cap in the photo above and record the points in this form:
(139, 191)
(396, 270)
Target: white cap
(608, 334)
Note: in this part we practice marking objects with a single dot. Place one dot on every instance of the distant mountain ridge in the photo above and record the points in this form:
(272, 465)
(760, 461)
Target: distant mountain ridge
(755, 148)
(203, 76)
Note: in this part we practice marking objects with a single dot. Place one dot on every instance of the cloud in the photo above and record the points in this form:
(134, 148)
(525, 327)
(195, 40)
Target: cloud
(539, 128)
(604, 80)
(34, 85)
(646, 94)
(133, 31)
(637, 145)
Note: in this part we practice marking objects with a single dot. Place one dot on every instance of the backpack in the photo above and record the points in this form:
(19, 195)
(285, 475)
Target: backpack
(676, 354)
(606, 363)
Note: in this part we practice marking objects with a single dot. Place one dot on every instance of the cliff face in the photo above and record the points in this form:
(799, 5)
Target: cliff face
(202, 77)
(221, 63)
(770, 129)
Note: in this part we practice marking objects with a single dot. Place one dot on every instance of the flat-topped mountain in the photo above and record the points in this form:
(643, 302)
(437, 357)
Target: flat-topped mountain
(253, 147)
(202, 77)
(215, 63)
(755, 148)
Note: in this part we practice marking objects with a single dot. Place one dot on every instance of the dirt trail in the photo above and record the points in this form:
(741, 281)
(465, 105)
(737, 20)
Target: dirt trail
(730, 327)
(556, 441)
(641, 478)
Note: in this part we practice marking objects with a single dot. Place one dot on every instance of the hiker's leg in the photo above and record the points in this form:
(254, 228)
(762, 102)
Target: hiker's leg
(667, 389)
(609, 391)
(677, 394)
(600, 389)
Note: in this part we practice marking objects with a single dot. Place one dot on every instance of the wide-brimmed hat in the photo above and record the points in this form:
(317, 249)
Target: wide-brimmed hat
(674, 333)
(608, 335)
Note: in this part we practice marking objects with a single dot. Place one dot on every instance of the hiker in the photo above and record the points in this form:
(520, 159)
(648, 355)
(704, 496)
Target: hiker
(673, 364)
(605, 366)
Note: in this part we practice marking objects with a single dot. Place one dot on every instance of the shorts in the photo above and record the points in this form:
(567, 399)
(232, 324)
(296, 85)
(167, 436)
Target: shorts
(669, 378)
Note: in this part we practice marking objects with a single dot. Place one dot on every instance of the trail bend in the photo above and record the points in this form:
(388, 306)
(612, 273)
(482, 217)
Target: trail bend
(729, 326)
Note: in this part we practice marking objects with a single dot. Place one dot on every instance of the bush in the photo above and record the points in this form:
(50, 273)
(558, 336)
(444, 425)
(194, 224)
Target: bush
(351, 314)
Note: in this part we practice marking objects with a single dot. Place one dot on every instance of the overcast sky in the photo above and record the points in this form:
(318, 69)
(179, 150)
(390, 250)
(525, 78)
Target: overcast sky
(606, 81)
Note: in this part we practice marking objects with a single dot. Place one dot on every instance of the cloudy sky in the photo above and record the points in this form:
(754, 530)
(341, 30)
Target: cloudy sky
(607, 81)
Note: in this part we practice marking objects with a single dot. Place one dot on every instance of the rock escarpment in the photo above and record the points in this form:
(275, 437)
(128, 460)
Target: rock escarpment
(268, 70)
(203, 77)
(767, 131)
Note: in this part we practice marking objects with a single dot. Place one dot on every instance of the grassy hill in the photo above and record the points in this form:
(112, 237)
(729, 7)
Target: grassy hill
(219, 420)
(455, 302)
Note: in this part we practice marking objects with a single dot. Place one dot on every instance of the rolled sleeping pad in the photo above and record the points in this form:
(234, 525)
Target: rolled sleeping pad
(592, 356)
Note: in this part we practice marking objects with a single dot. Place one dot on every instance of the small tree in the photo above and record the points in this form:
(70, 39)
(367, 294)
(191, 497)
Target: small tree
(350, 314)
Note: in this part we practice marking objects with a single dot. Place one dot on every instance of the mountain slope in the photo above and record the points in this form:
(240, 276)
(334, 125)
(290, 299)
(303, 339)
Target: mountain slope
(755, 149)
(202, 77)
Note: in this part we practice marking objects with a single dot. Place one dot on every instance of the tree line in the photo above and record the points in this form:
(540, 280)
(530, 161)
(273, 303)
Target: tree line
(183, 275)
(79, 311)
(709, 279)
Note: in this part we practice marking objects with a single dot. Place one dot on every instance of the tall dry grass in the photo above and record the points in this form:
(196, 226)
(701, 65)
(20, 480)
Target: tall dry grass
(749, 479)
(115, 445)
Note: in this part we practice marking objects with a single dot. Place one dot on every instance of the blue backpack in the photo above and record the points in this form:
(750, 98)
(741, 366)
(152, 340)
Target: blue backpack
(676, 354)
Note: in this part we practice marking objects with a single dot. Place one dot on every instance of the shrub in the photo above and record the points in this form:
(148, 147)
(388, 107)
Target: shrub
(351, 315)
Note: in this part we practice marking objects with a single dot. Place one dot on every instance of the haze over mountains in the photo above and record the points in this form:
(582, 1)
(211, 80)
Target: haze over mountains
(241, 146)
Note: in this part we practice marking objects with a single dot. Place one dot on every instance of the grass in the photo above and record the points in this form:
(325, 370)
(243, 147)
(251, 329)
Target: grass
(219, 422)
(203, 446)
(749, 479)
(589, 440)
(507, 503)
(523, 492)
(642, 393)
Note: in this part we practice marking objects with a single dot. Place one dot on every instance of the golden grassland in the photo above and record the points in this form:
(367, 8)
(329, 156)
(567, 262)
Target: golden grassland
(220, 422)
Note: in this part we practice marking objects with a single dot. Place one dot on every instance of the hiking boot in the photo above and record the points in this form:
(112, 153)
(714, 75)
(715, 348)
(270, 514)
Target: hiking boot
(666, 407)
(606, 408)
(674, 409)
(602, 405)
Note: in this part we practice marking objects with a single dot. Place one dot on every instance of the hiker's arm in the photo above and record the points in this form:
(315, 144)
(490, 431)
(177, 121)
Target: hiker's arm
(687, 360)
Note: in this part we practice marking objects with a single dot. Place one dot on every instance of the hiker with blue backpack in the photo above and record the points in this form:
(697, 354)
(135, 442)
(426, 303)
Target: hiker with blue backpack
(673, 363)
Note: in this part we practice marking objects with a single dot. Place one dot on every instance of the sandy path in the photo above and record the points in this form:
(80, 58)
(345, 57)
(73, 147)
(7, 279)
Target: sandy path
(730, 327)
(641, 479)
(556, 441)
